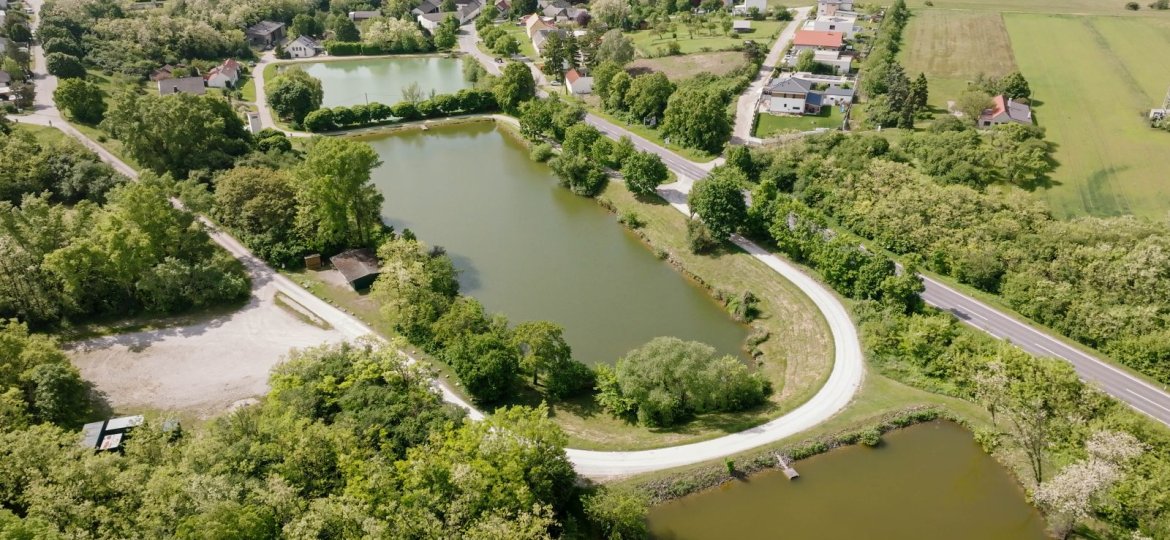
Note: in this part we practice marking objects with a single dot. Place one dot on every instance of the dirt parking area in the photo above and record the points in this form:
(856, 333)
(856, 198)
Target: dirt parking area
(200, 368)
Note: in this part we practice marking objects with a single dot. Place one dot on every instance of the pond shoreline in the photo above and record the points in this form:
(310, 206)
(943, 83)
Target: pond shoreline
(679, 485)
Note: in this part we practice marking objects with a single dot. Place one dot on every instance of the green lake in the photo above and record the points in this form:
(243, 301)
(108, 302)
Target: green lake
(930, 481)
(532, 250)
(352, 82)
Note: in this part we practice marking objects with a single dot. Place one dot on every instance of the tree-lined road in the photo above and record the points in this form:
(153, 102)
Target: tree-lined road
(1127, 388)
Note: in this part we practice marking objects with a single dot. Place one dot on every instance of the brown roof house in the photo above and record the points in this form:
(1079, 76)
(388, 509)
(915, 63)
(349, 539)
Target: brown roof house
(359, 267)
(1004, 110)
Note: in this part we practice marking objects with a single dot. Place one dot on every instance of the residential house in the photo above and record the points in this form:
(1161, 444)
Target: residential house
(533, 24)
(833, 7)
(302, 47)
(817, 41)
(5, 78)
(806, 93)
(359, 16)
(3, 4)
(503, 7)
(746, 7)
(542, 36)
(426, 6)
(576, 83)
(1004, 110)
(840, 62)
(846, 23)
(225, 75)
(431, 21)
(468, 11)
(359, 267)
(265, 34)
(181, 85)
(788, 95)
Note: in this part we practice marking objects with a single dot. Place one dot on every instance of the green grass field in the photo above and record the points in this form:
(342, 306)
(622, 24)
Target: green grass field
(678, 68)
(650, 44)
(1092, 77)
(952, 47)
(1064, 7)
(771, 124)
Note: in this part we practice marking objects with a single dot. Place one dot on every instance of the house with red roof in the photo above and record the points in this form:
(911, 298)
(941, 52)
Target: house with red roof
(817, 40)
(577, 83)
(1004, 110)
(225, 75)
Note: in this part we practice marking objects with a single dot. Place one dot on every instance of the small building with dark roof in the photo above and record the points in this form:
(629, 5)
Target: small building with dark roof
(181, 85)
(109, 434)
(265, 34)
(359, 267)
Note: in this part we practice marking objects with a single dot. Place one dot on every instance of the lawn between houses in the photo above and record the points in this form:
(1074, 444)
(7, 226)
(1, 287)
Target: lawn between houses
(651, 44)
(772, 124)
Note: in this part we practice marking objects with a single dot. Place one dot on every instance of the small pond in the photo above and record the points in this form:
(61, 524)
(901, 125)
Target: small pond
(925, 482)
(532, 250)
(353, 82)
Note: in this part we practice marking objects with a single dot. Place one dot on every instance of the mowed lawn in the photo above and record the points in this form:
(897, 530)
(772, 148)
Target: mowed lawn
(1091, 78)
(952, 47)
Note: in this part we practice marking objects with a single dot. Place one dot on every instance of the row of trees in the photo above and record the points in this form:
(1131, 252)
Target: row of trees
(894, 99)
(466, 101)
(419, 291)
(351, 442)
(586, 153)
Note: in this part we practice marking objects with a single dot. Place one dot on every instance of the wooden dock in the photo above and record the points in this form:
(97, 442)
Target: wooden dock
(786, 467)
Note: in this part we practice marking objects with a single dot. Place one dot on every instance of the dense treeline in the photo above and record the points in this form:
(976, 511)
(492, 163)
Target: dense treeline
(351, 442)
(115, 249)
(1101, 281)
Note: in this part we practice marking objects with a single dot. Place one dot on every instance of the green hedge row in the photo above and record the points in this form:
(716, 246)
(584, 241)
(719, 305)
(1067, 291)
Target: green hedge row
(467, 101)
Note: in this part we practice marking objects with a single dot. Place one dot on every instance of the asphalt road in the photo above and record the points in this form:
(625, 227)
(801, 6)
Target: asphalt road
(1140, 395)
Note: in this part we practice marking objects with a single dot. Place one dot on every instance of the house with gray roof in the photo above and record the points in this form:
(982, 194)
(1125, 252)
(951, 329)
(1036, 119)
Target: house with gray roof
(806, 93)
(181, 85)
(359, 16)
(1005, 110)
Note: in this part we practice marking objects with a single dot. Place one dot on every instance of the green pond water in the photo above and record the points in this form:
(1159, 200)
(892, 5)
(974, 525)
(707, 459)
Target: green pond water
(925, 482)
(351, 82)
(532, 250)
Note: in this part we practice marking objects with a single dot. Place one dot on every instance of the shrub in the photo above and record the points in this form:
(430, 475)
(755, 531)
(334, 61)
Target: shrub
(541, 152)
(632, 220)
(870, 437)
(1133, 6)
(699, 237)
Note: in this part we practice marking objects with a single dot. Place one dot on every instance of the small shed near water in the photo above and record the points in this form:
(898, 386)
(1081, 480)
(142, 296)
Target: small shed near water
(359, 267)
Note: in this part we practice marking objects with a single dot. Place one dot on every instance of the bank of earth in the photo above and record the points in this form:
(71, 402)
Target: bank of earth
(503, 216)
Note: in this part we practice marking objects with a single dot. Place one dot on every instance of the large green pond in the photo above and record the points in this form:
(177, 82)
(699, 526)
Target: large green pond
(926, 482)
(350, 82)
(534, 251)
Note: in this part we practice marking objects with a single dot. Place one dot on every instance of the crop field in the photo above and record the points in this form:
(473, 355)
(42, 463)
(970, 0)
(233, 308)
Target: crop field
(1091, 78)
(1065, 7)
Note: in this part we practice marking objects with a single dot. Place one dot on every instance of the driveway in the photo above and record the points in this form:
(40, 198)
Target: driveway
(745, 108)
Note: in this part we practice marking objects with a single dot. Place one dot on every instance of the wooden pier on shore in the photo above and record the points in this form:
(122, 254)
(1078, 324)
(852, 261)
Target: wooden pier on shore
(786, 467)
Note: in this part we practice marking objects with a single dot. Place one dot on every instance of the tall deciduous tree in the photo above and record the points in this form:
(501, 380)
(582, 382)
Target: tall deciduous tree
(643, 172)
(82, 99)
(614, 47)
(648, 96)
(178, 133)
(338, 205)
(696, 117)
(718, 200)
(294, 94)
(515, 86)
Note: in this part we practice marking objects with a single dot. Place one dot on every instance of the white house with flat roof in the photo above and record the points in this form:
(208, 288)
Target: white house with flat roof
(846, 23)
